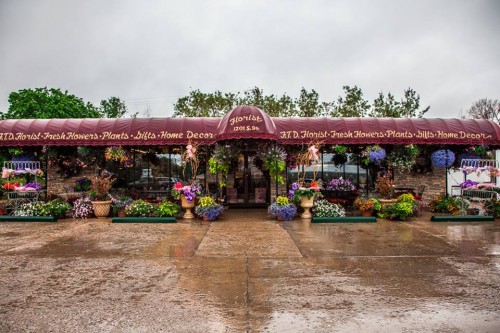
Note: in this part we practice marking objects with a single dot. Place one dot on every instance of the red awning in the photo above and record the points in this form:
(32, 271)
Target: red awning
(107, 132)
(387, 131)
(248, 122)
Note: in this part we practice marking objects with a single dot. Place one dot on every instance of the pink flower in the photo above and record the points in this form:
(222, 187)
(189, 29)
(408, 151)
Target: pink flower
(178, 186)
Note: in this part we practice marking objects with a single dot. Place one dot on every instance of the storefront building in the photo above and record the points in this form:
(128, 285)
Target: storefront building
(156, 146)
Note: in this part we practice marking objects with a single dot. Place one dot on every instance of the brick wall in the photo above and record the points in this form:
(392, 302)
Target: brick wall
(434, 181)
(63, 187)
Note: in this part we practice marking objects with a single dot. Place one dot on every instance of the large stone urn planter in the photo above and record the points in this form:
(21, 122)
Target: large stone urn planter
(188, 214)
(101, 208)
(306, 203)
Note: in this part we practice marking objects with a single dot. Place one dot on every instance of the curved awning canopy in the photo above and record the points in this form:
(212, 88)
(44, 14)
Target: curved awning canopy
(387, 131)
(107, 132)
(246, 123)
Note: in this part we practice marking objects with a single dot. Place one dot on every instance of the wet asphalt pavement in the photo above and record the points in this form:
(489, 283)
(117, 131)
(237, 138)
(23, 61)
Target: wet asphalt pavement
(250, 273)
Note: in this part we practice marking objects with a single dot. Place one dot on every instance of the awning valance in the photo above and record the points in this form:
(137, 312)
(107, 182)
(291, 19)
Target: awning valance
(106, 132)
(387, 131)
(178, 131)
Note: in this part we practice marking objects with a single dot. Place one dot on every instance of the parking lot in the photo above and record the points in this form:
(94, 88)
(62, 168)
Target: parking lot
(250, 273)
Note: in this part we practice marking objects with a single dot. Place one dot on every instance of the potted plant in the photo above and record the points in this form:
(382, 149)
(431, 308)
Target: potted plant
(367, 206)
(118, 154)
(274, 160)
(57, 208)
(187, 194)
(139, 208)
(220, 161)
(384, 185)
(403, 157)
(167, 209)
(447, 204)
(208, 209)
(99, 194)
(82, 208)
(405, 206)
(282, 209)
(119, 204)
(323, 208)
(373, 154)
(339, 155)
(306, 196)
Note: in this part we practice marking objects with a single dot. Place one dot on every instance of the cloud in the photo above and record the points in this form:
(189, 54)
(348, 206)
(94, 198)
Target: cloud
(151, 53)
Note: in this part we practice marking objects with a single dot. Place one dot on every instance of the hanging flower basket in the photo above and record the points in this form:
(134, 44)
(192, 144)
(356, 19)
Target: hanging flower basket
(373, 154)
(443, 158)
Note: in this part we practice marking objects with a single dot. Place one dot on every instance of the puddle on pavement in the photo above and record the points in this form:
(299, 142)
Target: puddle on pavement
(421, 319)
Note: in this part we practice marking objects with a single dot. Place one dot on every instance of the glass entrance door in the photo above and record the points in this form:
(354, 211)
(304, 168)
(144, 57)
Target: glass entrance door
(249, 185)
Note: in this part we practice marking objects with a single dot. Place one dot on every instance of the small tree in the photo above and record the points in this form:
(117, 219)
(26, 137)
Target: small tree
(484, 109)
(353, 105)
(44, 103)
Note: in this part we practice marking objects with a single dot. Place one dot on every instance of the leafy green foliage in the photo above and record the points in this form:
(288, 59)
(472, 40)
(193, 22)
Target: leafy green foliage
(167, 209)
(113, 107)
(447, 204)
(398, 211)
(352, 105)
(407, 107)
(139, 208)
(57, 208)
(47, 103)
(308, 104)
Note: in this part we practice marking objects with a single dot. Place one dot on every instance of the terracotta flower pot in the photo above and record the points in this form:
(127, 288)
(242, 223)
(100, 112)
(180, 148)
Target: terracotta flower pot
(367, 212)
(121, 213)
(101, 208)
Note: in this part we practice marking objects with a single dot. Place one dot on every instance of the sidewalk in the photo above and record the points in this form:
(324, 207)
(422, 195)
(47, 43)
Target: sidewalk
(250, 273)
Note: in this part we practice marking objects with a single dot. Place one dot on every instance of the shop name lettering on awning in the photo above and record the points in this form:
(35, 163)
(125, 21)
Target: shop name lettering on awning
(246, 123)
(139, 135)
(381, 134)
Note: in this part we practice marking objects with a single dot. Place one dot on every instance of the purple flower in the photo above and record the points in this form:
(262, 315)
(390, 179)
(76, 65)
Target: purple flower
(443, 158)
(468, 183)
(377, 156)
(340, 184)
(34, 185)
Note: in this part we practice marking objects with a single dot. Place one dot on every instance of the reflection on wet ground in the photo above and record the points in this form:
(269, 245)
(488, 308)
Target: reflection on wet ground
(250, 273)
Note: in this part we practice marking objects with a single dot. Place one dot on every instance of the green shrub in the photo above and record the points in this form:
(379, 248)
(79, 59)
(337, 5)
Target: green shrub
(447, 204)
(167, 209)
(398, 211)
(140, 208)
(57, 208)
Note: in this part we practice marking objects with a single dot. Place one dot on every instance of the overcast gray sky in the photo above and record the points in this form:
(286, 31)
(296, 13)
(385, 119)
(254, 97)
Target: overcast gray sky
(150, 53)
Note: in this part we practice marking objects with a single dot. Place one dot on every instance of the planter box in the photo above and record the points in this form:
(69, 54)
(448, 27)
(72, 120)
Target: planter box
(462, 218)
(348, 219)
(144, 220)
(6, 218)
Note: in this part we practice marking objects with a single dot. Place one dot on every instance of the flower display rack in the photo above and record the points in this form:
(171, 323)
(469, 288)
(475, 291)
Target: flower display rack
(18, 168)
(144, 220)
(347, 219)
